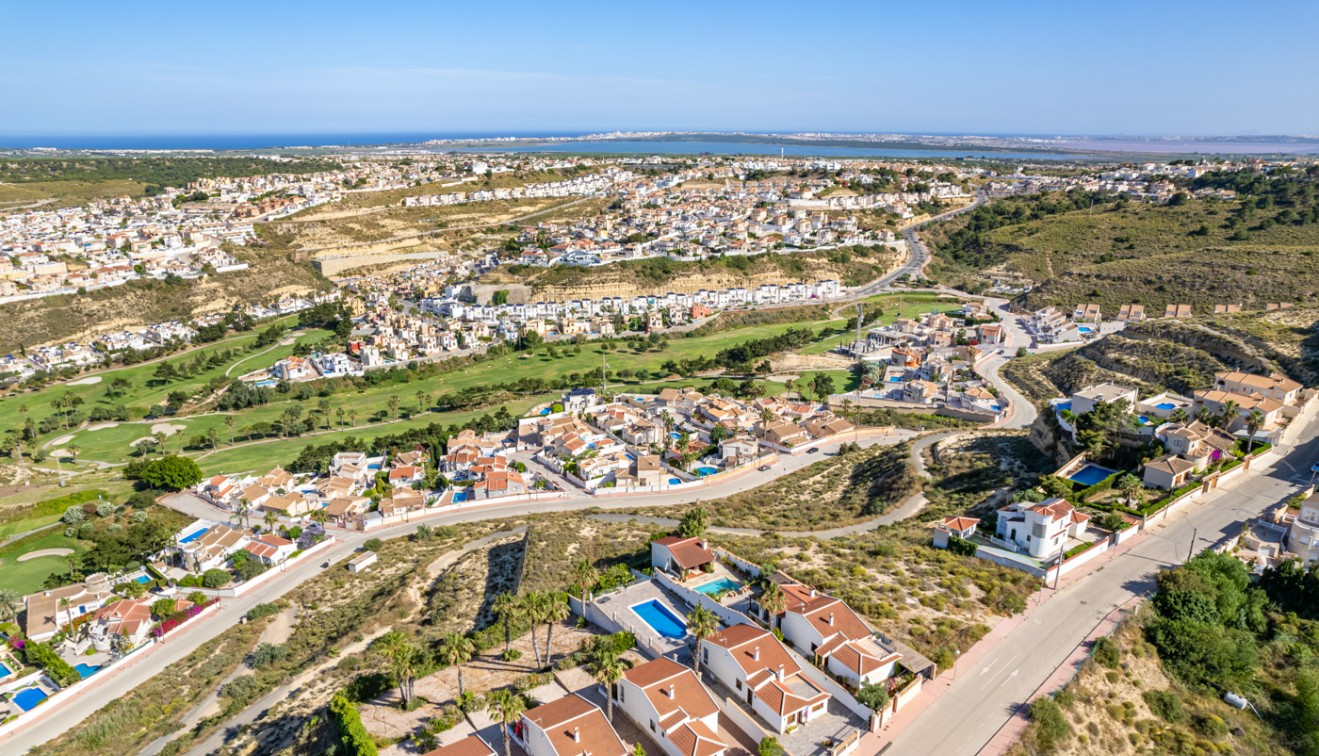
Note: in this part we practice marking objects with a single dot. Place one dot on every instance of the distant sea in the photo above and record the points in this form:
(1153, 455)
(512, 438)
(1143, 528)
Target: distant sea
(1106, 148)
(636, 147)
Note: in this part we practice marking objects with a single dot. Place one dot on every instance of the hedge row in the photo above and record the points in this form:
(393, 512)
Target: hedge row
(352, 733)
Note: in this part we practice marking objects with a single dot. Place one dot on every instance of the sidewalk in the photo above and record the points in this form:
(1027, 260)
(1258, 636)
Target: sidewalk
(1011, 730)
(969, 659)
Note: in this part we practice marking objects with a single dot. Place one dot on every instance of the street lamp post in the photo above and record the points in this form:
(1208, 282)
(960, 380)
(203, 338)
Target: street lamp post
(957, 654)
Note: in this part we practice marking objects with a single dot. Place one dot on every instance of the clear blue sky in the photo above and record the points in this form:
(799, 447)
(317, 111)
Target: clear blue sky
(1149, 67)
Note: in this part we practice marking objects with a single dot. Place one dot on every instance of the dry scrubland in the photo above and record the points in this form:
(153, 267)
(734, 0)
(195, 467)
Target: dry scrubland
(852, 266)
(1151, 254)
(1177, 356)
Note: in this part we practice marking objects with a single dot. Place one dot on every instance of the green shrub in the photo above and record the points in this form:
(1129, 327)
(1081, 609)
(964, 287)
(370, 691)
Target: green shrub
(1165, 705)
(1106, 653)
(41, 655)
(262, 610)
(354, 738)
(266, 654)
(1050, 726)
(215, 578)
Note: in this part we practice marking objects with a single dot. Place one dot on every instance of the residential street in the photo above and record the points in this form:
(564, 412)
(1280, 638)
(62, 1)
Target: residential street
(986, 694)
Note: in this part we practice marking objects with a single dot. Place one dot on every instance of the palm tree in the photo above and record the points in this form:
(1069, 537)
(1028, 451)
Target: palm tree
(404, 658)
(339, 415)
(556, 611)
(533, 608)
(421, 401)
(1230, 411)
(229, 421)
(702, 623)
(609, 669)
(242, 510)
(270, 519)
(10, 603)
(585, 575)
(393, 406)
(773, 601)
(319, 516)
(1129, 484)
(506, 708)
(1254, 421)
(352, 417)
(456, 650)
(1180, 415)
(507, 607)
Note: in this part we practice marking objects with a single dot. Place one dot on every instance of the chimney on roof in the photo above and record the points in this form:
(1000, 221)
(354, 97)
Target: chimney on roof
(671, 691)
(755, 653)
(780, 671)
(576, 734)
(812, 592)
(831, 619)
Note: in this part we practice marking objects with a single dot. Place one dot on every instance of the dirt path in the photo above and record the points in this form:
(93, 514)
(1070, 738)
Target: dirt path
(257, 709)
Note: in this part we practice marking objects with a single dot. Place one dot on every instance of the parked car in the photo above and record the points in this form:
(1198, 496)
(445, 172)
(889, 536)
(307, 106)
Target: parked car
(813, 450)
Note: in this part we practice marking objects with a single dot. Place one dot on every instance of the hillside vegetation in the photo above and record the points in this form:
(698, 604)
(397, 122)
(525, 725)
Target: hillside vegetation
(1156, 686)
(154, 172)
(850, 265)
(74, 316)
(1255, 249)
(1159, 355)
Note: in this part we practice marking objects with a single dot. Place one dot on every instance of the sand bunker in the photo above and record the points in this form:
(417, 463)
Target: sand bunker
(168, 429)
(88, 381)
(44, 553)
(62, 440)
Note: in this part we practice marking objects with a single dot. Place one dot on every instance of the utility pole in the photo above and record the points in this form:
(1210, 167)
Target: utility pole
(604, 375)
(1190, 551)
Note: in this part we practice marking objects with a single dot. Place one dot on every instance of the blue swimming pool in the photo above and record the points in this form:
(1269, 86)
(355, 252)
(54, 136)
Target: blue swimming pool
(660, 619)
(1166, 406)
(142, 579)
(194, 536)
(1090, 474)
(707, 470)
(675, 435)
(86, 670)
(674, 481)
(719, 586)
(5, 671)
(28, 698)
(460, 496)
(1085, 329)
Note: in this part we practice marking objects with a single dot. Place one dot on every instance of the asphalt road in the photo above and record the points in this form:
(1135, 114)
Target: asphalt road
(985, 696)
(114, 684)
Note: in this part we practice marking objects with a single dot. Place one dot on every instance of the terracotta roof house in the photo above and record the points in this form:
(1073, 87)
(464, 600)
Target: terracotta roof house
(827, 629)
(679, 555)
(271, 549)
(569, 726)
(955, 525)
(756, 667)
(666, 699)
(1168, 472)
(471, 745)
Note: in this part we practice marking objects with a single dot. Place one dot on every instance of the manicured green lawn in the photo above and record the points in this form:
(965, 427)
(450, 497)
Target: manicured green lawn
(140, 395)
(27, 577)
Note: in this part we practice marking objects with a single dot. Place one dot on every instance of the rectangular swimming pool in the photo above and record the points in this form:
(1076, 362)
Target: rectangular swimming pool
(1090, 474)
(5, 671)
(28, 698)
(718, 586)
(660, 619)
